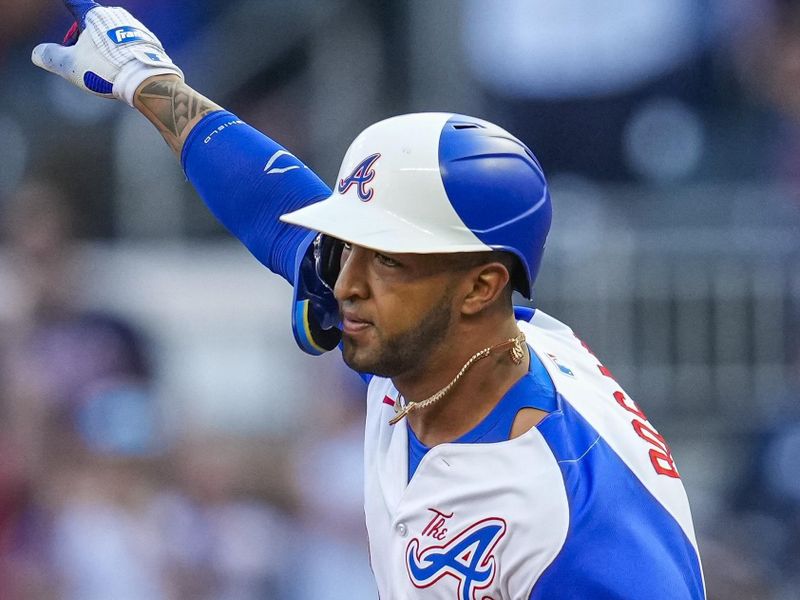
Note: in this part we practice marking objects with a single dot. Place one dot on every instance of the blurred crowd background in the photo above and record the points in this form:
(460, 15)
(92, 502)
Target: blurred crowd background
(160, 435)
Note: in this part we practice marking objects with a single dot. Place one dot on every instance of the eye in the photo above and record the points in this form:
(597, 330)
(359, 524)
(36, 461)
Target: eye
(386, 260)
(346, 249)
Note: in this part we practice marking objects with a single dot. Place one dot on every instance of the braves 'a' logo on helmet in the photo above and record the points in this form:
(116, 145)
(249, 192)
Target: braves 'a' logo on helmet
(360, 177)
(468, 557)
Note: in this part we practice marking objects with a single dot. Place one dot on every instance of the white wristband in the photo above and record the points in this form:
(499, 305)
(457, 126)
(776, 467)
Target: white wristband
(134, 73)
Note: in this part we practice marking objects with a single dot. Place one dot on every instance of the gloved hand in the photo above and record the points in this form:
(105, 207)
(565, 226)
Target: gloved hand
(107, 52)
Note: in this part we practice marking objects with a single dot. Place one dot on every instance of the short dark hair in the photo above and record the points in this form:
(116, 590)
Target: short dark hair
(468, 260)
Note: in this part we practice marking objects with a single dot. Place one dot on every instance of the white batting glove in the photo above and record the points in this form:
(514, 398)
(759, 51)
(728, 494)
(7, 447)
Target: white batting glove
(113, 55)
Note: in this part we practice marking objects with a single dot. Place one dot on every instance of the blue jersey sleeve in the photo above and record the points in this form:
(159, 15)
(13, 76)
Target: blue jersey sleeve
(247, 180)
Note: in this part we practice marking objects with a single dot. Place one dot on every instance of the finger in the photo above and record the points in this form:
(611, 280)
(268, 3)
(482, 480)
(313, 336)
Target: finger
(71, 38)
(79, 8)
(52, 57)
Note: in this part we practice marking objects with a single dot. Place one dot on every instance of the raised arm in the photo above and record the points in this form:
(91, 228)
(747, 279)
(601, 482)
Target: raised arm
(173, 107)
(247, 180)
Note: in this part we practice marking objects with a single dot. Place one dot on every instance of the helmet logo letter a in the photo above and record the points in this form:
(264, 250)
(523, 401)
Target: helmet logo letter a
(360, 177)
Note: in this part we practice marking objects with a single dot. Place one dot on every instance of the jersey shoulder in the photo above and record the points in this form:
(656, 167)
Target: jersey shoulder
(627, 502)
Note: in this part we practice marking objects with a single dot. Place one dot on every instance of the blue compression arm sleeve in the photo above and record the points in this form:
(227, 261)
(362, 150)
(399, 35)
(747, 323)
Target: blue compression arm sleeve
(248, 181)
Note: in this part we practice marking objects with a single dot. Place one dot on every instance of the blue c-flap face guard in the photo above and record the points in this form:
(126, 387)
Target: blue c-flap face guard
(327, 259)
(315, 312)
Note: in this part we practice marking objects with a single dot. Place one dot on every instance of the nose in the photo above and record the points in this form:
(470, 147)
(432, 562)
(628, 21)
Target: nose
(352, 282)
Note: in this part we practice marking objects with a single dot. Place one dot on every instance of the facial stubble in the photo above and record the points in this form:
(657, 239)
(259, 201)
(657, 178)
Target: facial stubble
(403, 352)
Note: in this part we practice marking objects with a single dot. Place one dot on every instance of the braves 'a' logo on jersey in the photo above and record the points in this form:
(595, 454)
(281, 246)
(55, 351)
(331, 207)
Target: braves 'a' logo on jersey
(360, 177)
(468, 557)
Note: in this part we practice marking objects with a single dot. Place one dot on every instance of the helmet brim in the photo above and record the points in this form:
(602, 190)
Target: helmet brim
(373, 227)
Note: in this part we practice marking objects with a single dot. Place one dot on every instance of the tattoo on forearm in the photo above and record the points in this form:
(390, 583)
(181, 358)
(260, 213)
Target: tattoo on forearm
(173, 107)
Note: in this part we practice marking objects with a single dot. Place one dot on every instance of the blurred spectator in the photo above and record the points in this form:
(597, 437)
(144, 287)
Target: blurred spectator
(58, 362)
(546, 49)
(40, 273)
(612, 90)
(764, 522)
(768, 60)
(222, 541)
(329, 478)
(106, 541)
(731, 573)
(121, 531)
(74, 391)
(770, 56)
(20, 20)
(23, 534)
(80, 397)
(576, 80)
(37, 274)
(768, 500)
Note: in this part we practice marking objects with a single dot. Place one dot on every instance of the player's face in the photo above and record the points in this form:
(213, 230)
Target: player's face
(396, 309)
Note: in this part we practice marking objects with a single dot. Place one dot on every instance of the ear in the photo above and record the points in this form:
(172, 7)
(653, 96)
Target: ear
(485, 285)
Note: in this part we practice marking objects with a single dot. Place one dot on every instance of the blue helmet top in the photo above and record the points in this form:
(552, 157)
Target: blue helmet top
(498, 189)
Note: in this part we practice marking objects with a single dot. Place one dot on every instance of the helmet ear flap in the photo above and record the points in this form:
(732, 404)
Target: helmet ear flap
(519, 279)
(315, 314)
(328, 259)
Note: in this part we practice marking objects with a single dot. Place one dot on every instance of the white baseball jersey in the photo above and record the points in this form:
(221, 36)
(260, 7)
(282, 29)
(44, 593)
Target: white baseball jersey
(586, 505)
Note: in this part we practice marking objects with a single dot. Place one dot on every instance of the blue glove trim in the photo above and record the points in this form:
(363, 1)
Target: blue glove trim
(97, 84)
(79, 8)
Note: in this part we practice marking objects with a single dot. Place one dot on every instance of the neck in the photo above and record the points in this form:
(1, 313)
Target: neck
(474, 395)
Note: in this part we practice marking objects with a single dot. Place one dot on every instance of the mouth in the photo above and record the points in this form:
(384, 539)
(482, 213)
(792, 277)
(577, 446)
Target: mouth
(352, 325)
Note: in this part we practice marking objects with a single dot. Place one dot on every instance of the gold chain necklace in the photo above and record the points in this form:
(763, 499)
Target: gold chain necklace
(516, 353)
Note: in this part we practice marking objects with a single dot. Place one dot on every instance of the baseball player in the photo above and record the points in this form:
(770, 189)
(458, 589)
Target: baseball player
(502, 459)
